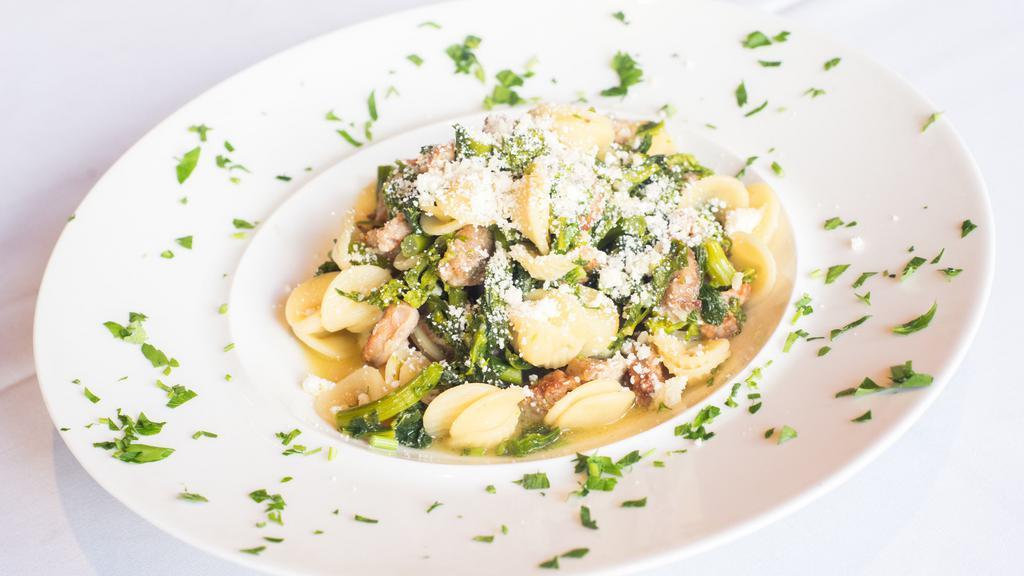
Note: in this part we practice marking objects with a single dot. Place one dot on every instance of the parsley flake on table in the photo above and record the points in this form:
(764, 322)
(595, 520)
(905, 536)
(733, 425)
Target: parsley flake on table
(429, 24)
(203, 433)
(863, 417)
(490, 489)
(465, 59)
(629, 73)
(187, 164)
(485, 539)
(833, 223)
(550, 564)
(937, 257)
(917, 324)
(756, 110)
(275, 504)
(791, 338)
(746, 164)
(834, 272)
(930, 120)
(167, 254)
(586, 519)
(803, 308)
(177, 394)
(348, 138)
(865, 298)
(777, 168)
(287, 437)
(966, 227)
(824, 350)
(371, 105)
(191, 496)
(535, 481)
(576, 553)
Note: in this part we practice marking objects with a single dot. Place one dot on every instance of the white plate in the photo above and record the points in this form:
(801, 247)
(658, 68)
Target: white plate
(856, 152)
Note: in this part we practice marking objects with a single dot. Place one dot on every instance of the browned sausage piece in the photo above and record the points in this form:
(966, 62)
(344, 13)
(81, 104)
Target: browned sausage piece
(465, 260)
(730, 325)
(589, 369)
(681, 295)
(391, 331)
(551, 388)
(644, 375)
(387, 239)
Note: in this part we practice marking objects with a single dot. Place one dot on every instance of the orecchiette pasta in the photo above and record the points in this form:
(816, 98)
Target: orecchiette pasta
(579, 128)
(596, 410)
(763, 197)
(546, 330)
(599, 322)
(533, 207)
(442, 410)
(546, 267)
(340, 312)
(302, 309)
(591, 388)
(691, 360)
(725, 189)
(357, 388)
(488, 420)
(750, 253)
(661, 143)
(403, 365)
(438, 226)
(339, 253)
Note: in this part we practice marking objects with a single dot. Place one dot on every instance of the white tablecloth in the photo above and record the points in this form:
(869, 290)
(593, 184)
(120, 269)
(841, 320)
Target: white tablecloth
(82, 81)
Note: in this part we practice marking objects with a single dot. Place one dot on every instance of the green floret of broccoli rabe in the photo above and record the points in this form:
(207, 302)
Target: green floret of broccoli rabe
(713, 307)
(409, 430)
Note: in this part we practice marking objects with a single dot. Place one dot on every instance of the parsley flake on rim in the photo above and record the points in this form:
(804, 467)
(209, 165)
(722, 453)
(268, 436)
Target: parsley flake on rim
(901, 376)
(741, 95)
(836, 332)
(930, 120)
(535, 481)
(770, 63)
(832, 63)
(365, 519)
(814, 92)
(756, 39)
(465, 59)
(254, 551)
(434, 506)
(951, 272)
(756, 110)
(485, 539)
(966, 227)
(639, 503)
(786, 434)
(586, 519)
(621, 17)
(834, 272)
(629, 73)
(92, 397)
(201, 130)
(917, 324)
(911, 267)
(191, 496)
(187, 164)
(862, 279)
(184, 242)
(415, 59)
(863, 417)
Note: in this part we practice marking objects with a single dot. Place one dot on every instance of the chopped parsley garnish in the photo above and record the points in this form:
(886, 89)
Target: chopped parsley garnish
(191, 496)
(200, 433)
(434, 506)
(756, 110)
(92, 397)
(746, 164)
(862, 279)
(695, 430)
(167, 254)
(833, 223)
(348, 138)
(836, 332)
(371, 105)
(741, 95)
(415, 59)
(602, 472)
(786, 434)
(865, 298)
(917, 324)
(364, 519)
(586, 519)
(201, 130)
(222, 309)
(832, 63)
(901, 376)
(184, 242)
(791, 338)
(273, 539)
(177, 394)
(254, 551)
(576, 553)
(756, 39)
(770, 63)
(187, 164)
(803, 308)
(629, 74)
(490, 489)
(535, 481)
(814, 92)
(863, 417)
(938, 257)
(639, 503)
(824, 350)
(287, 437)
(485, 539)
(275, 504)
(125, 448)
(966, 227)
(781, 37)
(951, 272)
(930, 120)
(429, 24)
(777, 168)
(240, 224)
(769, 433)
(283, 178)
(834, 272)
(550, 564)
(911, 267)
(503, 92)
(621, 17)
(464, 58)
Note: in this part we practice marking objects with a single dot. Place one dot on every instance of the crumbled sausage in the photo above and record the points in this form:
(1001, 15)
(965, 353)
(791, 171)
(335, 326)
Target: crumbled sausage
(589, 369)
(644, 375)
(391, 331)
(682, 292)
(551, 388)
(465, 260)
(388, 238)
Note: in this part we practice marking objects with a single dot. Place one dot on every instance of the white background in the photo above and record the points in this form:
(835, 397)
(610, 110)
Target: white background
(80, 81)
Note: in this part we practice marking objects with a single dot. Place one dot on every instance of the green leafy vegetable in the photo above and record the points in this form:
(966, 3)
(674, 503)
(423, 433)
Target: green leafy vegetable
(530, 441)
(465, 59)
(409, 428)
(391, 404)
(629, 73)
(917, 324)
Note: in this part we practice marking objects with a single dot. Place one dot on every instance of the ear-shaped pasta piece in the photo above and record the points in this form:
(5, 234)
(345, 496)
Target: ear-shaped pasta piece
(749, 252)
(342, 313)
(547, 267)
(544, 329)
(438, 226)
(691, 360)
(442, 410)
(346, 393)
(335, 346)
(579, 127)
(487, 421)
(598, 324)
(763, 197)
(339, 253)
(403, 365)
(533, 207)
(726, 189)
(597, 410)
(302, 309)
(661, 143)
(592, 388)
